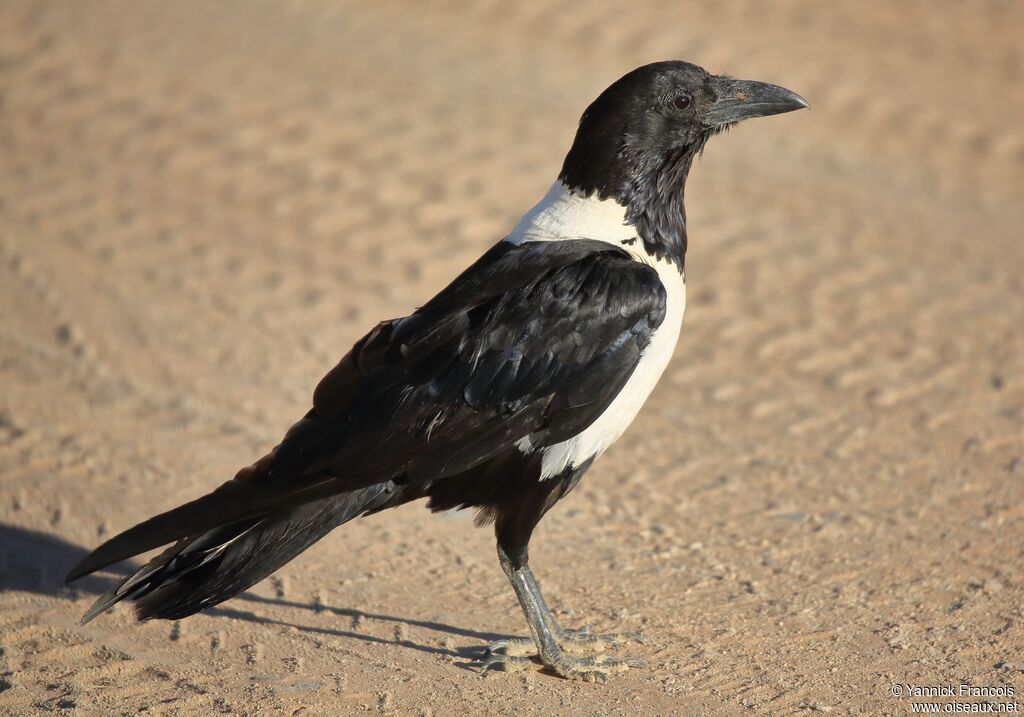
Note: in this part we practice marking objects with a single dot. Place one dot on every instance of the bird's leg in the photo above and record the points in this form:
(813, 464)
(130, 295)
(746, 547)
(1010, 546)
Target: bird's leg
(577, 641)
(580, 640)
(548, 650)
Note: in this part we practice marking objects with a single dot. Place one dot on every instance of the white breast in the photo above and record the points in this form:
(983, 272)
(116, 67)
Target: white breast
(563, 215)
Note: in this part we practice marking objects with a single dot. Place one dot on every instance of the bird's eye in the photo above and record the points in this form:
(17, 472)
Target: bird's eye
(681, 102)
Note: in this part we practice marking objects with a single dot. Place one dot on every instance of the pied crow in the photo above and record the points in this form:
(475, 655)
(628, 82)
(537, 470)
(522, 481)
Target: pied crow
(498, 394)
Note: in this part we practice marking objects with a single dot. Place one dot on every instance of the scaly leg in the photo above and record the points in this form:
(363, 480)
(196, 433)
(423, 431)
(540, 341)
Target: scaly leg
(550, 642)
(578, 641)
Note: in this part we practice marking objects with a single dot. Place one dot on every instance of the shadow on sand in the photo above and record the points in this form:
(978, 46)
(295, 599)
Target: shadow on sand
(32, 561)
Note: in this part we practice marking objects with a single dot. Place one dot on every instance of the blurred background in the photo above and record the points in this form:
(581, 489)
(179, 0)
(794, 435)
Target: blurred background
(202, 205)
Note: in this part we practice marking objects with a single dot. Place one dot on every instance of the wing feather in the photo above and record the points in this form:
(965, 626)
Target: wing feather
(530, 338)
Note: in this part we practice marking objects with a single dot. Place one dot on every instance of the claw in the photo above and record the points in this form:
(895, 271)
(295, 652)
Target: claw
(635, 636)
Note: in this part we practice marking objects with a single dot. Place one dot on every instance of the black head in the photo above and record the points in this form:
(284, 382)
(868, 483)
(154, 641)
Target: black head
(637, 140)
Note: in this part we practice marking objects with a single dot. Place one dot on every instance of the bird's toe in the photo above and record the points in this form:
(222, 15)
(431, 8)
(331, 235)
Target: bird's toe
(597, 668)
(513, 646)
(582, 641)
(593, 669)
(510, 663)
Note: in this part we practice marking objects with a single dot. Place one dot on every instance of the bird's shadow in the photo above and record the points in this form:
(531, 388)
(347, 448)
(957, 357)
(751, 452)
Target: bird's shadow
(33, 561)
(473, 653)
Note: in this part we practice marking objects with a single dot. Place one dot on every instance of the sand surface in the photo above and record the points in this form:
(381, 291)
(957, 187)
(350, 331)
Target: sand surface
(202, 205)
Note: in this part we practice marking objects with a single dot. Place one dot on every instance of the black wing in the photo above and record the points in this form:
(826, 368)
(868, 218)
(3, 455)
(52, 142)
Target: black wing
(532, 340)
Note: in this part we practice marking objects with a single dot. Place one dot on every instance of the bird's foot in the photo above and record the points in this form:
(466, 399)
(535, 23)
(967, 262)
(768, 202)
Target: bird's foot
(587, 669)
(574, 641)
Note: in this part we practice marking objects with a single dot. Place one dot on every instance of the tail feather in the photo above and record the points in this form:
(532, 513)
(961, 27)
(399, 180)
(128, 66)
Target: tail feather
(134, 583)
(245, 497)
(204, 569)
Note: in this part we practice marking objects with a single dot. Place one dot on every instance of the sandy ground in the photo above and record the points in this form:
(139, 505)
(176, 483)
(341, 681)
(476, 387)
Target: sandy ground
(203, 204)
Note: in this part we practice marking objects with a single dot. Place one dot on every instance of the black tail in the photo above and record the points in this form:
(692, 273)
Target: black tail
(202, 570)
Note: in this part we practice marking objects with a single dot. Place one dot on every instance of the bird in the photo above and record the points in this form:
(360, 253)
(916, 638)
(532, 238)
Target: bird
(497, 394)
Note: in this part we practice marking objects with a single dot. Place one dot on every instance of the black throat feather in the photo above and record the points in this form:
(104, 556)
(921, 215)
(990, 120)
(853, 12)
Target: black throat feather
(650, 183)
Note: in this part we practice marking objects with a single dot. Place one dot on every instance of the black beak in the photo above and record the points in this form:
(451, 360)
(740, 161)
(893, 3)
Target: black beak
(742, 99)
